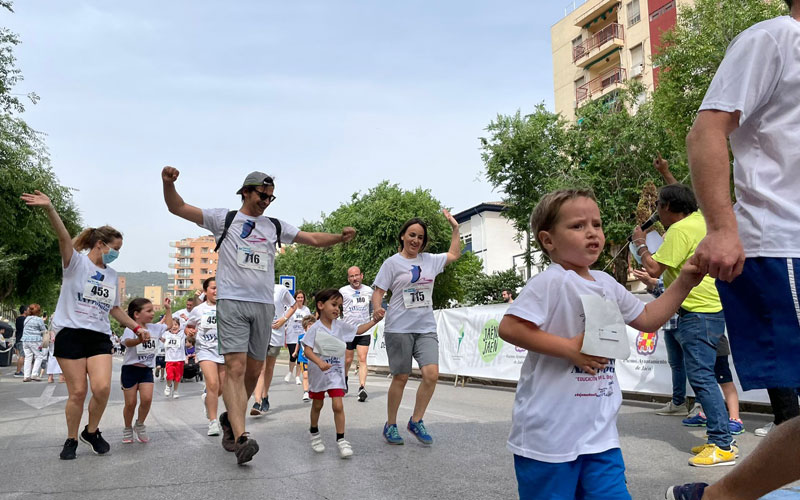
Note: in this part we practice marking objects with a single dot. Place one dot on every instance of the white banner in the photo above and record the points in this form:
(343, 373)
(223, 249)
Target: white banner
(469, 345)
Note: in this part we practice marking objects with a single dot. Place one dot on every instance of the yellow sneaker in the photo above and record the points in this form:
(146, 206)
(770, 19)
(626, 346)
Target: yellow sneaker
(698, 449)
(713, 456)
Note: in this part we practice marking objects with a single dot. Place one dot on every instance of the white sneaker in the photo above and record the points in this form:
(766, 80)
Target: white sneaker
(672, 409)
(167, 390)
(288, 377)
(306, 398)
(345, 450)
(316, 443)
(297, 381)
(175, 395)
(205, 409)
(213, 428)
(763, 431)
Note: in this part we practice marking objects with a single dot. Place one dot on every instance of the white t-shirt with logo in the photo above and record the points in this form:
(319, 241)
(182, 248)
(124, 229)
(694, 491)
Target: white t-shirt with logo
(175, 346)
(246, 269)
(144, 353)
(559, 411)
(87, 295)
(332, 378)
(760, 78)
(411, 282)
(294, 327)
(356, 303)
(204, 316)
(283, 301)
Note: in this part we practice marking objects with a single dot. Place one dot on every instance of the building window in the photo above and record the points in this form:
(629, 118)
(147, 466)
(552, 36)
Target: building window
(667, 7)
(204, 250)
(634, 15)
(204, 271)
(466, 239)
(637, 60)
(204, 261)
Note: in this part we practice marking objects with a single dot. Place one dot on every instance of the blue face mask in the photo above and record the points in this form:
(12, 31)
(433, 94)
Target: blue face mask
(110, 257)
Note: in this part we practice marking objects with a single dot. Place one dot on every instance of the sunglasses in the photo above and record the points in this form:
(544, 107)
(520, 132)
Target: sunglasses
(265, 196)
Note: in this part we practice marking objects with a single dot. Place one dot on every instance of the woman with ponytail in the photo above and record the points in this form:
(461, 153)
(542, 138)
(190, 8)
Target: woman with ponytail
(88, 295)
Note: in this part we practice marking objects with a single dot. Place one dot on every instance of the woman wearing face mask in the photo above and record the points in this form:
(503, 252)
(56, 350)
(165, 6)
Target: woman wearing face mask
(88, 295)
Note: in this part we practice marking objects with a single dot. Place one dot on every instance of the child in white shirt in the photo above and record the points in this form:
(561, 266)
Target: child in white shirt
(564, 435)
(325, 349)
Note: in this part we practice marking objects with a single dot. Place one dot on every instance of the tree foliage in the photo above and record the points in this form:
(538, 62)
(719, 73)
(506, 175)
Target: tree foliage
(691, 53)
(377, 217)
(30, 263)
(487, 288)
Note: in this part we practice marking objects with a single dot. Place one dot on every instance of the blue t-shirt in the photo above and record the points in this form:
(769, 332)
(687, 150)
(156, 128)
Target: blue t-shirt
(300, 354)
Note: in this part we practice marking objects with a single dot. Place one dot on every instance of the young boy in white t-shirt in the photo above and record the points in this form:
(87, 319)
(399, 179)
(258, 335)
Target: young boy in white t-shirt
(564, 434)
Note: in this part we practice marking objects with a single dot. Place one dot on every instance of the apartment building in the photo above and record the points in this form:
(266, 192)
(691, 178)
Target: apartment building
(193, 261)
(601, 44)
(154, 294)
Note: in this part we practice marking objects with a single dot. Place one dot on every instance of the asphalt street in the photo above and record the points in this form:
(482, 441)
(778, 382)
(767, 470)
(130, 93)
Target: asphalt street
(469, 459)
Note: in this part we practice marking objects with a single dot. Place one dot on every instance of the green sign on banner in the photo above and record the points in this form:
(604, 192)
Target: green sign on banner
(489, 342)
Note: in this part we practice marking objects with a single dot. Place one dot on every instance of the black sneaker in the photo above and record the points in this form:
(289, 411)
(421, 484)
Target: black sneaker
(68, 452)
(264, 405)
(256, 410)
(246, 447)
(690, 491)
(95, 441)
(228, 440)
(362, 394)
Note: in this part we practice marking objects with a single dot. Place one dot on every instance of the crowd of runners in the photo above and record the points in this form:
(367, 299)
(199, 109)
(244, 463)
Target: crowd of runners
(565, 445)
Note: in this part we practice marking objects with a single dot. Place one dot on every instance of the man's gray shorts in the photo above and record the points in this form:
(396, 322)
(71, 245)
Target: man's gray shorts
(400, 347)
(244, 327)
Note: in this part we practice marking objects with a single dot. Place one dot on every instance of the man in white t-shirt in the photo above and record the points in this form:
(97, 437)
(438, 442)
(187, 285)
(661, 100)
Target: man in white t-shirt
(247, 243)
(355, 309)
(753, 248)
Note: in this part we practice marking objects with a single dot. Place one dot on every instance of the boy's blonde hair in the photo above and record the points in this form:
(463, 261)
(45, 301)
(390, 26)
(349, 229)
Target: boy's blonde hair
(545, 214)
(308, 321)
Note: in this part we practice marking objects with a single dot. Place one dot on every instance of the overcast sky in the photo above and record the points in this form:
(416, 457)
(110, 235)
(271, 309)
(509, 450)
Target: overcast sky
(330, 97)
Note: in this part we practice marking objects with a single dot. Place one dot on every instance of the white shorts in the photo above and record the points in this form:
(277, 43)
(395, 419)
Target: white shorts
(207, 355)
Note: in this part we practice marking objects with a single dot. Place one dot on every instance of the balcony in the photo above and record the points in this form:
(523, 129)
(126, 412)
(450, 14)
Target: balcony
(173, 255)
(598, 11)
(603, 84)
(602, 43)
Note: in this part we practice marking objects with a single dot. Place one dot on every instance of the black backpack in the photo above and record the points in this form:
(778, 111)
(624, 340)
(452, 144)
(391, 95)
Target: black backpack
(229, 220)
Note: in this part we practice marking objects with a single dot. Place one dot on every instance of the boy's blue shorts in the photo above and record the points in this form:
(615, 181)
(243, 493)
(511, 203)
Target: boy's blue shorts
(589, 477)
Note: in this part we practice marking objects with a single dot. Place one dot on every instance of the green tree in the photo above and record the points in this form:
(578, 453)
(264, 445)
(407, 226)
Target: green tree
(377, 217)
(484, 288)
(691, 52)
(30, 263)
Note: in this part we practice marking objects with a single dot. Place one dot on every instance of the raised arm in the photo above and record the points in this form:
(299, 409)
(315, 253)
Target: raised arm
(168, 312)
(325, 239)
(39, 199)
(175, 203)
(662, 166)
(720, 254)
(657, 312)
(454, 252)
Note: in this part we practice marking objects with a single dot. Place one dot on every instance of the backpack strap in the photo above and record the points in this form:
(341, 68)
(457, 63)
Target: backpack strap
(228, 221)
(277, 224)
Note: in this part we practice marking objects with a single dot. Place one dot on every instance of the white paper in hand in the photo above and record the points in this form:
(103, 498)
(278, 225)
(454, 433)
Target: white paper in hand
(327, 345)
(606, 333)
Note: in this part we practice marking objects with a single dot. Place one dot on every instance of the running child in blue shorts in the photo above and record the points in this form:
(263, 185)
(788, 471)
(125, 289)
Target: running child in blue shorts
(563, 432)
(302, 360)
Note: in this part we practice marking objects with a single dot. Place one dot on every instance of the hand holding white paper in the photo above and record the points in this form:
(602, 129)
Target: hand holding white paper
(606, 333)
(327, 345)
(653, 240)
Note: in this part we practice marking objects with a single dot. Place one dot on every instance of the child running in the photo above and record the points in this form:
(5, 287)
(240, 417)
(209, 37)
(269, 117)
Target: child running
(326, 342)
(204, 318)
(175, 355)
(299, 353)
(138, 364)
(563, 432)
